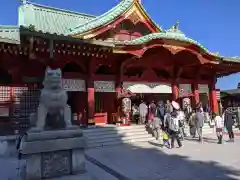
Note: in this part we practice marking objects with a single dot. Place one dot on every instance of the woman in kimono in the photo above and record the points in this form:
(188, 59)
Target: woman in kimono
(151, 111)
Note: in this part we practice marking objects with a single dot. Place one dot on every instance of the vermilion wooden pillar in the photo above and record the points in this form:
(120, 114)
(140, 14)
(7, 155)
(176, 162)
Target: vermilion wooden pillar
(175, 91)
(90, 92)
(213, 97)
(91, 102)
(195, 93)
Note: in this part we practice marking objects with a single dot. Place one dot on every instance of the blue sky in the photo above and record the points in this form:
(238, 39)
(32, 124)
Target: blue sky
(214, 23)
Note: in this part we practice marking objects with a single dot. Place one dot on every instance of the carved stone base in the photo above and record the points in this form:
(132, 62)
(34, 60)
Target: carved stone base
(53, 154)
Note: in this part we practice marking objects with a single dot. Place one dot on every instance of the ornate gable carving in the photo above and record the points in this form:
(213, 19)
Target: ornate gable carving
(135, 24)
(134, 18)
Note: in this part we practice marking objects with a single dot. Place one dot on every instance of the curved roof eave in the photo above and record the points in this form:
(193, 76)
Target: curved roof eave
(177, 37)
(235, 59)
(103, 19)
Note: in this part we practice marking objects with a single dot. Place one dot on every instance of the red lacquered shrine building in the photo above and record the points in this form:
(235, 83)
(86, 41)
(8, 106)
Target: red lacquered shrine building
(121, 53)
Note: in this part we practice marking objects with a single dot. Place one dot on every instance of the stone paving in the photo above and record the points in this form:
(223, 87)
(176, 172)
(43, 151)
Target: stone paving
(194, 161)
(146, 161)
(9, 167)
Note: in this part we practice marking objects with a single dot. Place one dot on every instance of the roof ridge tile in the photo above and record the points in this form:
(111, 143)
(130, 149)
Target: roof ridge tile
(7, 27)
(58, 9)
(106, 17)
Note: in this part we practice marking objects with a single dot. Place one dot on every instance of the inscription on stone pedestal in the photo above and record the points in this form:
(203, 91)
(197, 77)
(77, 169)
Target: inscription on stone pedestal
(56, 164)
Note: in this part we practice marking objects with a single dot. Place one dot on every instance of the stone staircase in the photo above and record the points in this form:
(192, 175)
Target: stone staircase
(114, 135)
(109, 135)
(207, 129)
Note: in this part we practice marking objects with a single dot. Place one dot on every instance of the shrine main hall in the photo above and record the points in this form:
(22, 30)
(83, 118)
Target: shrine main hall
(121, 53)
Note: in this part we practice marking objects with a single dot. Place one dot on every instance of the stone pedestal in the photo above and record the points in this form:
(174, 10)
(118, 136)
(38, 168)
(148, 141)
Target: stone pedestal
(53, 154)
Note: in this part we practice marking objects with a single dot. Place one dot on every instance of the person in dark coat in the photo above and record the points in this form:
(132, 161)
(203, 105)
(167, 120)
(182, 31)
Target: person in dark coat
(228, 123)
(173, 125)
(161, 111)
(192, 123)
(19, 144)
(238, 117)
(168, 108)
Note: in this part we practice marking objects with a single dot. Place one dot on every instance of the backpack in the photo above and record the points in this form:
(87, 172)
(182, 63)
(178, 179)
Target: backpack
(173, 124)
(181, 117)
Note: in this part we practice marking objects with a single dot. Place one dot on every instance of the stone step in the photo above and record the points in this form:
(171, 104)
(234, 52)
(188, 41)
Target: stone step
(118, 138)
(75, 177)
(112, 143)
(114, 128)
(208, 129)
(113, 134)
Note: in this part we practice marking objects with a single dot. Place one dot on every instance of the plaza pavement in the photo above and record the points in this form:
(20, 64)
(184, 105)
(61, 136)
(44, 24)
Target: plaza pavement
(194, 161)
(146, 161)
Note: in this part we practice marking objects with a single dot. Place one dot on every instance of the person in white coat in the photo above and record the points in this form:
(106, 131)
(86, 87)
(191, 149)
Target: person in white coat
(219, 125)
(143, 110)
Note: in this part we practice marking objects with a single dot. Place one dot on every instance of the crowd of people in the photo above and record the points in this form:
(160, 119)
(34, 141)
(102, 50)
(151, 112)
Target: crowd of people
(167, 121)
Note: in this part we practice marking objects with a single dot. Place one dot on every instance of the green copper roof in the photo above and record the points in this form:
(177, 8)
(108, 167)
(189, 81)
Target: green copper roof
(231, 59)
(9, 34)
(62, 22)
(49, 19)
(105, 18)
(164, 35)
(175, 34)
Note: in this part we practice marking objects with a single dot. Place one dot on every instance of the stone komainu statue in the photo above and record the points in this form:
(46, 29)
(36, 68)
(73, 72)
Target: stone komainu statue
(53, 111)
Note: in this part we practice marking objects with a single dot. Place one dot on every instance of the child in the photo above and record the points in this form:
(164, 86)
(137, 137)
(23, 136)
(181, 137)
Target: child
(166, 139)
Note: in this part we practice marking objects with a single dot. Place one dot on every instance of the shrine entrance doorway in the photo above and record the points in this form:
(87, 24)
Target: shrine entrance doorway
(74, 75)
(105, 99)
(150, 91)
(77, 101)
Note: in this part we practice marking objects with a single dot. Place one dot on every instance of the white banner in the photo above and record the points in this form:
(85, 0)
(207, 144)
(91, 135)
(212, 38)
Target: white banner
(148, 87)
(74, 85)
(104, 86)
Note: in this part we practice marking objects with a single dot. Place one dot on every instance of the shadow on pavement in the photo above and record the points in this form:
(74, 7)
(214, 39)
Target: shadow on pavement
(132, 163)
(149, 161)
(206, 140)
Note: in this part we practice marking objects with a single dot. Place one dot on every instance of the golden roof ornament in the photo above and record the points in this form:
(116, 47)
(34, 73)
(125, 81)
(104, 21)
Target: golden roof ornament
(23, 1)
(174, 28)
(176, 25)
(31, 27)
